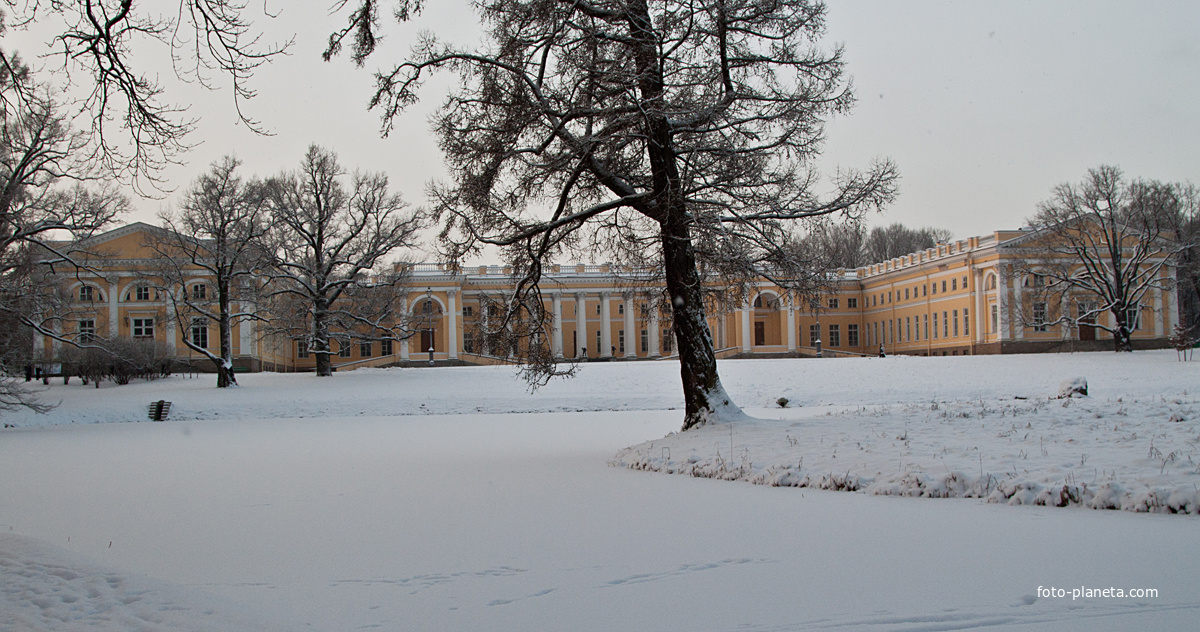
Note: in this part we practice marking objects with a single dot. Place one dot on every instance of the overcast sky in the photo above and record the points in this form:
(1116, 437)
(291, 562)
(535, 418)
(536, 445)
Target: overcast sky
(984, 106)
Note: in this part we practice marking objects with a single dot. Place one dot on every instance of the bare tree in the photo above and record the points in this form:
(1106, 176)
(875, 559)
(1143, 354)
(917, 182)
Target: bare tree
(670, 134)
(134, 130)
(884, 243)
(211, 255)
(1103, 244)
(326, 242)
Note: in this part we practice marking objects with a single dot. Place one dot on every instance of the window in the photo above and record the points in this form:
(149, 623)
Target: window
(891, 331)
(468, 342)
(645, 341)
(906, 294)
(833, 303)
(1036, 280)
(964, 282)
(620, 308)
(143, 328)
(917, 329)
(835, 335)
(945, 324)
(814, 335)
(87, 330)
(385, 346)
(889, 296)
(995, 318)
(925, 322)
(953, 284)
(365, 349)
(343, 348)
(874, 300)
(908, 328)
(924, 290)
(943, 287)
(852, 335)
(598, 341)
(87, 293)
(667, 340)
(199, 292)
(956, 323)
(852, 303)
(467, 311)
(141, 293)
(302, 349)
(427, 307)
(1039, 316)
(620, 341)
(492, 310)
(878, 340)
(199, 332)
(934, 284)
(990, 283)
(597, 313)
(966, 323)
(935, 327)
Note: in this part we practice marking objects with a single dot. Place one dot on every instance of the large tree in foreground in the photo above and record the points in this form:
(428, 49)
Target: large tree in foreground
(674, 134)
(1102, 244)
(326, 241)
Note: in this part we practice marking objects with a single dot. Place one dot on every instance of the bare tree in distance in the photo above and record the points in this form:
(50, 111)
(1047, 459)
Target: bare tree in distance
(677, 135)
(326, 243)
(895, 240)
(211, 257)
(1103, 244)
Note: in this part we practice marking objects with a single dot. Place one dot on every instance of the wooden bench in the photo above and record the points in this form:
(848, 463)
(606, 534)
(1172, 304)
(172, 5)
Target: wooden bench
(159, 410)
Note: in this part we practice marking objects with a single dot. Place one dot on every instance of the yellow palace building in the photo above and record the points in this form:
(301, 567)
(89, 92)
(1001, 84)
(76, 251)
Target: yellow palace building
(967, 297)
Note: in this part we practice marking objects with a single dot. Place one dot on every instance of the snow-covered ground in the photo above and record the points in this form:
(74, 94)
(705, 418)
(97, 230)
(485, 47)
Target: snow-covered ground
(452, 499)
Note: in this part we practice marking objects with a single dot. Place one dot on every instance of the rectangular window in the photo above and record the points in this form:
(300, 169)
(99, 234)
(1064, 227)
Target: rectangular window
(906, 294)
(87, 293)
(925, 322)
(199, 292)
(302, 349)
(199, 332)
(468, 342)
(385, 346)
(924, 290)
(365, 349)
(917, 328)
(620, 341)
(943, 287)
(878, 340)
(814, 335)
(964, 282)
(645, 341)
(833, 303)
(468, 310)
(966, 323)
(953, 284)
(956, 323)
(835, 335)
(1039, 316)
(874, 300)
(934, 284)
(143, 328)
(667, 339)
(852, 335)
(908, 329)
(620, 308)
(945, 324)
(141, 293)
(852, 303)
(935, 327)
(343, 348)
(87, 330)
(889, 296)
(995, 318)
(598, 339)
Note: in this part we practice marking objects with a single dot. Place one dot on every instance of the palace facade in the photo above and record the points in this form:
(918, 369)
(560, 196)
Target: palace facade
(962, 298)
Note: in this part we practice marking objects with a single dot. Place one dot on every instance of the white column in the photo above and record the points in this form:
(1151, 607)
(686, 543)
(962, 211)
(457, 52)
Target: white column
(1002, 301)
(1172, 301)
(1018, 308)
(114, 326)
(581, 337)
(556, 336)
(169, 328)
(1065, 314)
(246, 335)
(655, 343)
(606, 325)
(980, 305)
(407, 323)
(633, 338)
(1158, 309)
(747, 335)
(790, 300)
(452, 323)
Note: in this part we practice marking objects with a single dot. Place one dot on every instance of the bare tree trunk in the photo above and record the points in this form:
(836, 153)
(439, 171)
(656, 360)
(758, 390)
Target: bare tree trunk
(321, 347)
(225, 376)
